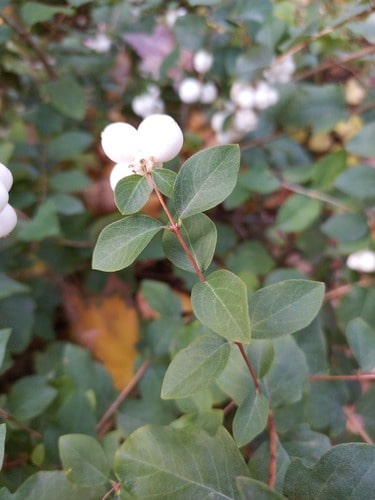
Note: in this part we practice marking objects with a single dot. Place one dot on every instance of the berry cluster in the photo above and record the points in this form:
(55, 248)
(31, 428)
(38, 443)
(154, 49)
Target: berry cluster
(148, 103)
(136, 151)
(239, 115)
(192, 89)
(8, 216)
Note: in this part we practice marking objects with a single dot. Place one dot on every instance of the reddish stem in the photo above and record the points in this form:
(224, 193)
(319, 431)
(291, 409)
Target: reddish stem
(273, 450)
(250, 367)
(357, 376)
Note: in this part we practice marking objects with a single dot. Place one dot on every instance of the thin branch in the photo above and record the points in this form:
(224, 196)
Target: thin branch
(329, 64)
(8, 416)
(343, 290)
(333, 378)
(26, 37)
(317, 195)
(272, 468)
(253, 374)
(122, 396)
(116, 487)
(354, 423)
(177, 231)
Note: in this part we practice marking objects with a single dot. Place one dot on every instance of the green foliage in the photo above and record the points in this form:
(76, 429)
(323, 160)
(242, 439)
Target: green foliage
(131, 194)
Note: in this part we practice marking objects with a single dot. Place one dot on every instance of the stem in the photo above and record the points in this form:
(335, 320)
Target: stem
(177, 231)
(356, 376)
(343, 290)
(122, 396)
(116, 487)
(7, 416)
(253, 374)
(25, 36)
(317, 195)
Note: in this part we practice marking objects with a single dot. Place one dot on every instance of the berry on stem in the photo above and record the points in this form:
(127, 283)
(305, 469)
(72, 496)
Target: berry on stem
(8, 220)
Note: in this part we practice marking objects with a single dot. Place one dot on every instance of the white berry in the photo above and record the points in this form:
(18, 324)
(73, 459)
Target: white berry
(265, 96)
(6, 177)
(146, 104)
(245, 120)
(202, 61)
(209, 93)
(189, 90)
(4, 196)
(120, 142)
(363, 260)
(118, 172)
(8, 220)
(160, 137)
(242, 94)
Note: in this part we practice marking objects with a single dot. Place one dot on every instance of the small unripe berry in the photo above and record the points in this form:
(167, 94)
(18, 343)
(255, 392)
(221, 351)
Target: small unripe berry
(202, 61)
(160, 137)
(4, 196)
(8, 220)
(6, 177)
(120, 142)
(190, 90)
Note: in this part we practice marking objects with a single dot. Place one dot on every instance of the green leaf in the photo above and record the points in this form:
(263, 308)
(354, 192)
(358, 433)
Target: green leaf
(206, 179)
(83, 459)
(164, 180)
(221, 304)
(308, 445)
(44, 224)
(361, 338)
(30, 396)
(327, 168)
(71, 181)
(194, 464)
(45, 485)
(260, 460)
(190, 31)
(120, 243)
(67, 96)
(346, 227)
(285, 307)
(9, 286)
(161, 298)
(251, 489)
(298, 213)
(20, 324)
(345, 471)
(250, 418)
(363, 144)
(358, 181)
(200, 235)
(65, 146)
(67, 204)
(3, 431)
(132, 193)
(260, 180)
(195, 367)
(4, 337)
(36, 12)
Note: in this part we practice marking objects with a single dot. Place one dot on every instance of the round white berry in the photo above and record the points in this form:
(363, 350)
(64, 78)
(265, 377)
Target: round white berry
(120, 142)
(8, 220)
(202, 61)
(4, 196)
(146, 104)
(265, 95)
(245, 120)
(363, 260)
(189, 90)
(160, 137)
(118, 172)
(218, 119)
(209, 93)
(6, 177)
(242, 94)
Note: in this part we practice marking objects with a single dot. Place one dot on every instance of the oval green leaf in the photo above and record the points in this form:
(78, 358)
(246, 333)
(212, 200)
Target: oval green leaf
(206, 179)
(193, 464)
(83, 459)
(285, 307)
(120, 243)
(200, 235)
(132, 193)
(250, 418)
(195, 367)
(361, 339)
(221, 304)
(164, 180)
(251, 489)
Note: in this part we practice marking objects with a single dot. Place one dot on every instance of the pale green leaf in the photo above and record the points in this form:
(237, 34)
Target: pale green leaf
(221, 304)
(285, 307)
(206, 179)
(195, 367)
(132, 193)
(251, 489)
(345, 471)
(361, 338)
(30, 396)
(358, 181)
(163, 463)
(9, 286)
(4, 337)
(44, 224)
(164, 180)
(3, 431)
(120, 243)
(298, 213)
(67, 96)
(363, 144)
(83, 459)
(37, 12)
(346, 227)
(250, 418)
(63, 147)
(200, 235)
